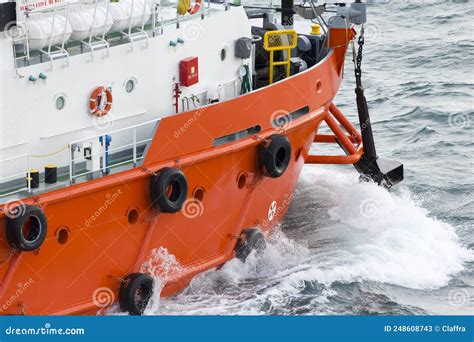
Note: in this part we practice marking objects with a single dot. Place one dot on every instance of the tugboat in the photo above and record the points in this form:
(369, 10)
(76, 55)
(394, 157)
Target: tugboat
(138, 126)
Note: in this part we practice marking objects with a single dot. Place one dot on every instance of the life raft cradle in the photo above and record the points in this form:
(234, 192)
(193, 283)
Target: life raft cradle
(359, 148)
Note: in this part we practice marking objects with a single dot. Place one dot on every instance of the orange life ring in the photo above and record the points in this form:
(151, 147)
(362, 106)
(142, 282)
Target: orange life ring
(96, 104)
(194, 8)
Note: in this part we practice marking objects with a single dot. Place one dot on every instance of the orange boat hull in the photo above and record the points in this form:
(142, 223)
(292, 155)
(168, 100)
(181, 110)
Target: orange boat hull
(100, 231)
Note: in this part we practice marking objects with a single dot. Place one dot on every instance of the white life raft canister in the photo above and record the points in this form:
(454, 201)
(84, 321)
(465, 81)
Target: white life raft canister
(42, 32)
(83, 21)
(138, 11)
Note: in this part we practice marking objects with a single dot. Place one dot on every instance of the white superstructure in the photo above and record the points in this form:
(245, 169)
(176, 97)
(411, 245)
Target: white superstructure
(59, 52)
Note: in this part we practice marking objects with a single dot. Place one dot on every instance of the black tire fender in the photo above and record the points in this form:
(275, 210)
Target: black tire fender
(135, 293)
(169, 190)
(250, 240)
(26, 231)
(274, 156)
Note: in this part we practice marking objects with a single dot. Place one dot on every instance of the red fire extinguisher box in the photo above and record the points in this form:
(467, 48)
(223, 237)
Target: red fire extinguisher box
(188, 71)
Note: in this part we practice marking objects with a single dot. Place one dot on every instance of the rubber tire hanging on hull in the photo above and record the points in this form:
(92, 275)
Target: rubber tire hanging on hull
(135, 293)
(274, 155)
(168, 190)
(26, 227)
(249, 241)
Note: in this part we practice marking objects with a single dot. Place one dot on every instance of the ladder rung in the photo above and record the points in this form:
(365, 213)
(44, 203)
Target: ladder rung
(281, 63)
(137, 35)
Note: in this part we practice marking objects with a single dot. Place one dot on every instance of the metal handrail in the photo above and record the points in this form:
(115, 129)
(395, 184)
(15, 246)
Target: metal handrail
(28, 168)
(109, 166)
(102, 42)
(115, 131)
(135, 158)
(117, 148)
(105, 150)
(68, 6)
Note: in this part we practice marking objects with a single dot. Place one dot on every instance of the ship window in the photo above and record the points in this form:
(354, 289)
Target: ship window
(60, 102)
(223, 54)
(237, 135)
(286, 119)
(129, 86)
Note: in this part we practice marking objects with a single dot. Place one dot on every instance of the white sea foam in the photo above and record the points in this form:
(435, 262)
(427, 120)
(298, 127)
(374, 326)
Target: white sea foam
(381, 236)
(389, 238)
(378, 236)
(161, 265)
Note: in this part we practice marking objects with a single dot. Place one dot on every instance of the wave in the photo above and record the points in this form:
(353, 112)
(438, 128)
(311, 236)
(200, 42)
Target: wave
(368, 235)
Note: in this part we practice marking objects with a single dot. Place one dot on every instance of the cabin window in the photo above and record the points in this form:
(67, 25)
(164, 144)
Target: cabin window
(237, 135)
(60, 102)
(223, 54)
(129, 86)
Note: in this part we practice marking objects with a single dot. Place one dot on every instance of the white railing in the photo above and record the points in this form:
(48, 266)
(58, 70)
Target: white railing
(61, 52)
(141, 33)
(102, 42)
(129, 148)
(12, 179)
(101, 151)
(18, 175)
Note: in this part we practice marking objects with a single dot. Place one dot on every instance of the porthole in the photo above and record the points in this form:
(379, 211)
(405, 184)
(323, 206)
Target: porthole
(198, 194)
(223, 54)
(62, 235)
(130, 86)
(60, 102)
(319, 86)
(242, 180)
(132, 215)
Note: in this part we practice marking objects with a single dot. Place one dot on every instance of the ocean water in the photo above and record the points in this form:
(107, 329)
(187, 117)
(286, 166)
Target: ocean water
(354, 248)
